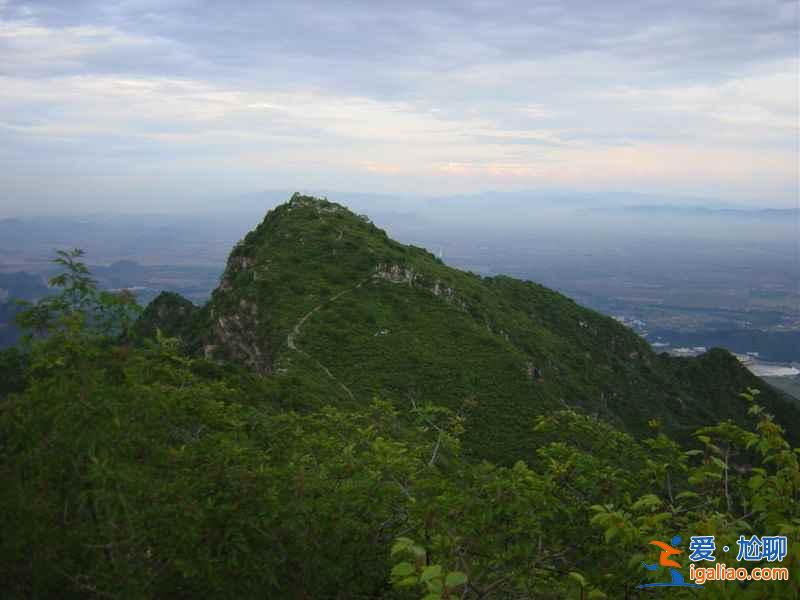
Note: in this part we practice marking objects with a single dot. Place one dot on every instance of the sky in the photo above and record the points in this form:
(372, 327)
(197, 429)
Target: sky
(144, 105)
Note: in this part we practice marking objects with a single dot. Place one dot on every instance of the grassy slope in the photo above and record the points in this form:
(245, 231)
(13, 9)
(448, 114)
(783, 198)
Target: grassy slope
(475, 340)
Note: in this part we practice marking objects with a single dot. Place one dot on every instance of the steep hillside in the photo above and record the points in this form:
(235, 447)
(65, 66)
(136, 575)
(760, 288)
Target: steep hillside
(134, 471)
(316, 291)
(173, 314)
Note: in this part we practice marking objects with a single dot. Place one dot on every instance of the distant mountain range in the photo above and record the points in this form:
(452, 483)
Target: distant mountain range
(680, 210)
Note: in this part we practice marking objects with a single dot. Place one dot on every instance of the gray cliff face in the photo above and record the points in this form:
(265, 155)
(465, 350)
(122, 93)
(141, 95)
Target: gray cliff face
(235, 336)
(235, 328)
(403, 275)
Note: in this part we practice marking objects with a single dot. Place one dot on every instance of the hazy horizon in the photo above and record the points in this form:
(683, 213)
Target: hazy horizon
(539, 202)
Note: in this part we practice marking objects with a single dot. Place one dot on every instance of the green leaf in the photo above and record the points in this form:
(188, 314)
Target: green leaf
(401, 544)
(611, 533)
(718, 462)
(402, 569)
(430, 572)
(435, 586)
(408, 582)
(455, 578)
(418, 551)
(578, 578)
(405, 541)
(647, 501)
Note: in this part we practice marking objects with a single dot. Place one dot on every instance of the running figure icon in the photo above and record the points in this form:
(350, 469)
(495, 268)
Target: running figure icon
(664, 560)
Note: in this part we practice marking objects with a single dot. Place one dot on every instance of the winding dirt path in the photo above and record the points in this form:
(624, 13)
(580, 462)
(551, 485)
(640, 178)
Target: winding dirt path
(296, 330)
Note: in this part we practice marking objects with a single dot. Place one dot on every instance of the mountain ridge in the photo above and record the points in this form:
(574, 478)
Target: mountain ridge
(318, 291)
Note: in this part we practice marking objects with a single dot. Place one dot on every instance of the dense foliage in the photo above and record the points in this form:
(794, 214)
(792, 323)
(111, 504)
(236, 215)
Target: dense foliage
(135, 471)
(315, 291)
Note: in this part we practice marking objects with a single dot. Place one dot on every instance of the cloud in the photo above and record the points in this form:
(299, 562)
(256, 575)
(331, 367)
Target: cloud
(467, 95)
(32, 50)
(767, 99)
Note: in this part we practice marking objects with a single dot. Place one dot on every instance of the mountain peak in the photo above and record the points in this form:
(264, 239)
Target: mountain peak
(303, 254)
(302, 200)
(316, 206)
(316, 293)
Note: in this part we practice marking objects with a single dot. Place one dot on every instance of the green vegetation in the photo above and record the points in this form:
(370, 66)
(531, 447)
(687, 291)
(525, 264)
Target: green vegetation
(375, 317)
(149, 468)
(172, 312)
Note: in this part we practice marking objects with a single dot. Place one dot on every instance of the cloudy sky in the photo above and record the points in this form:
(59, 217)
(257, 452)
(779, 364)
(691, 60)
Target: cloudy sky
(157, 105)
